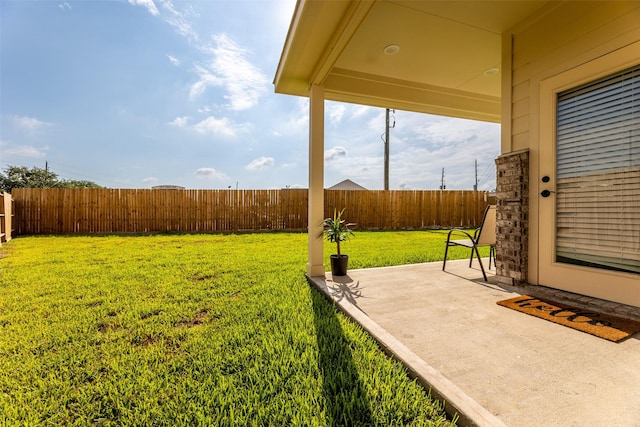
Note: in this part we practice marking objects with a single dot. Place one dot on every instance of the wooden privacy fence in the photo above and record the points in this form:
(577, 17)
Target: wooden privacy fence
(408, 209)
(6, 217)
(62, 211)
(85, 211)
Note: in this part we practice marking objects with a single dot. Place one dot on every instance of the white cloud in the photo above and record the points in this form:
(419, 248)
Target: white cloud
(149, 4)
(179, 19)
(360, 111)
(230, 69)
(406, 167)
(173, 60)
(24, 151)
(297, 121)
(421, 145)
(367, 171)
(150, 180)
(260, 163)
(181, 122)
(335, 153)
(211, 173)
(64, 5)
(283, 11)
(335, 113)
(211, 125)
(444, 131)
(206, 79)
(420, 164)
(29, 124)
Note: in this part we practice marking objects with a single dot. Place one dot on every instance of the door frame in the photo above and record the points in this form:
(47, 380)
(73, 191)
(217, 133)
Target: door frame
(605, 284)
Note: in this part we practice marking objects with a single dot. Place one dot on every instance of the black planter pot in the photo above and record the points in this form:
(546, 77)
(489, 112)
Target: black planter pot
(339, 265)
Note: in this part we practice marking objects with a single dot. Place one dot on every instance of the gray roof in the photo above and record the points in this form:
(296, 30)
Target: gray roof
(347, 184)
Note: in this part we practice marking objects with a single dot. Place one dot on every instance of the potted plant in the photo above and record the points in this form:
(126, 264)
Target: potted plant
(337, 230)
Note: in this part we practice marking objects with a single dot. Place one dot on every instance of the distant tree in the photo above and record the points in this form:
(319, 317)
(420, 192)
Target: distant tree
(72, 183)
(24, 177)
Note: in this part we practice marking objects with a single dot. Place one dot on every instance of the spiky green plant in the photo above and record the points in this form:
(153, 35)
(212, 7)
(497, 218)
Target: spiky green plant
(336, 229)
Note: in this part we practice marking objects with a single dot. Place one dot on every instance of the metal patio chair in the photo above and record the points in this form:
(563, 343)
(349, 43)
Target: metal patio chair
(483, 236)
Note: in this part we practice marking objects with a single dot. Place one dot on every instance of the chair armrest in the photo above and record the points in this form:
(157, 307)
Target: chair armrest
(476, 233)
(461, 232)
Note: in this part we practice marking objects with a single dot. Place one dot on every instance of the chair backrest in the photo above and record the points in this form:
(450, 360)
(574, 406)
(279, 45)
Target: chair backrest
(487, 234)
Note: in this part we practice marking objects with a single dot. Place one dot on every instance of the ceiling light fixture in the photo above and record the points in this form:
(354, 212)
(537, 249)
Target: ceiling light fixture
(391, 49)
(491, 71)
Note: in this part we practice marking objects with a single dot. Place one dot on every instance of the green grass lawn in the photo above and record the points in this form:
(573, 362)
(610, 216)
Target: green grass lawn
(195, 330)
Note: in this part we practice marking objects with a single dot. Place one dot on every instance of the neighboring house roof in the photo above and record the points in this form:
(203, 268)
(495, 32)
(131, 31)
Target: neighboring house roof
(424, 56)
(347, 184)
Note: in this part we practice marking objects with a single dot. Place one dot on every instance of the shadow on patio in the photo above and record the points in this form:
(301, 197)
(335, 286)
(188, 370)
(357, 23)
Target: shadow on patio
(493, 365)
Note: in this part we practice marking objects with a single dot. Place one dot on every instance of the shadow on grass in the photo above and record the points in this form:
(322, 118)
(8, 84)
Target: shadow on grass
(346, 399)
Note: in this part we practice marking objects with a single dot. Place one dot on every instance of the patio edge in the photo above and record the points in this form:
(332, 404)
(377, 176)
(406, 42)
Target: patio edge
(456, 402)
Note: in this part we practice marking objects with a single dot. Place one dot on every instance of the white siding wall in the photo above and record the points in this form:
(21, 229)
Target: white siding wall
(569, 35)
(565, 36)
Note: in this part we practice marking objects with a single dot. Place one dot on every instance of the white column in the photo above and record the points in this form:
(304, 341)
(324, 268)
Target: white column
(315, 266)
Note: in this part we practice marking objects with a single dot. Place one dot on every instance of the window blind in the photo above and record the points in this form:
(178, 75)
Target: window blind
(598, 173)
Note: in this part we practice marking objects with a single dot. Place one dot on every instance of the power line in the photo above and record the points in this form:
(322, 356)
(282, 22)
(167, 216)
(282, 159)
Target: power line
(81, 175)
(488, 172)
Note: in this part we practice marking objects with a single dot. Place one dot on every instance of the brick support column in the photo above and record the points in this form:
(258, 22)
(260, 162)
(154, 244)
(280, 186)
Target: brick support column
(512, 218)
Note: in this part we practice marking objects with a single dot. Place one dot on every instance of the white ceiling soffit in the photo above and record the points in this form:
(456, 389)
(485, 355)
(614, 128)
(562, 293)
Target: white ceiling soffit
(448, 58)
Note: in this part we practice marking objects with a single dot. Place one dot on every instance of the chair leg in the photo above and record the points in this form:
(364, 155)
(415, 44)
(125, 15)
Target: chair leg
(480, 261)
(446, 250)
(492, 253)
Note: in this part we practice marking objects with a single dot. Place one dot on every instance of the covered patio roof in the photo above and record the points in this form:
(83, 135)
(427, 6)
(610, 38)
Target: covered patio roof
(436, 57)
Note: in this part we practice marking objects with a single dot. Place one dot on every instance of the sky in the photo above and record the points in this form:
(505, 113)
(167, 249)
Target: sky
(139, 93)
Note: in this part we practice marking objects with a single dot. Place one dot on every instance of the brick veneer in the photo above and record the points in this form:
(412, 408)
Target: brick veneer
(512, 218)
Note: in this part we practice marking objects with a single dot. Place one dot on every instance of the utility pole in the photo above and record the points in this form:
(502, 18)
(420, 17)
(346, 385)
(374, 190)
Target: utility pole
(386, 152)
(388, 126)
(475, 187)
(442, 186)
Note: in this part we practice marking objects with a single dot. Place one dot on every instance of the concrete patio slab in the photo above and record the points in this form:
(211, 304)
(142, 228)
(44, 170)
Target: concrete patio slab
(493, 365)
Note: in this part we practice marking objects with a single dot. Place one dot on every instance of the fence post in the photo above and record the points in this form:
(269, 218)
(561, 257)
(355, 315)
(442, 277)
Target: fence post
(6, 217)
